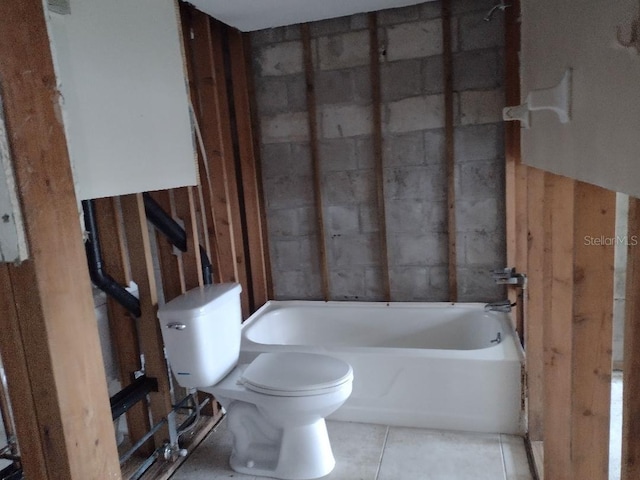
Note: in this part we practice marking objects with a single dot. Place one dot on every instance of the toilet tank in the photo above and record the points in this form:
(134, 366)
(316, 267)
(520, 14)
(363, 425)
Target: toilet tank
(201, 333)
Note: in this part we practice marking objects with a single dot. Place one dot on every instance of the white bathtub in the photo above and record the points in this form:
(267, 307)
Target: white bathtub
(428, 365)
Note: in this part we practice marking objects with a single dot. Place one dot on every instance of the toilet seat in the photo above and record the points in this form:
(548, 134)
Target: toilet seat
(293, 374)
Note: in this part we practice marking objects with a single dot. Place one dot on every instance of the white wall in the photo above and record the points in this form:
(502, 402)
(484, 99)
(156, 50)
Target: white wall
(601, 143)
(121, 74)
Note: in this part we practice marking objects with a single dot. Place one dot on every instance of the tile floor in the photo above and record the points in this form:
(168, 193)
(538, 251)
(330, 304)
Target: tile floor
(377, 452)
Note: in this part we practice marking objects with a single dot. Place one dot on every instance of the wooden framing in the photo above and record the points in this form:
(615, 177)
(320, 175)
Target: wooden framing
(315, 156)
(447, 69)
(376, 98)
(631, 379)
(53, 364)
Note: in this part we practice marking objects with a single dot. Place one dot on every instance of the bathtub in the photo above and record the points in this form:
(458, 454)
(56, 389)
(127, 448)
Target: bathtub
(429, 365)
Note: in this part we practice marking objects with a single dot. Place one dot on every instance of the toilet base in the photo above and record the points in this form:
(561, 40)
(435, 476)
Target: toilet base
(300, 452)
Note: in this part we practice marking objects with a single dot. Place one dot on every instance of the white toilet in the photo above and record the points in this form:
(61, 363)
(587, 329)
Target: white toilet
(276, 405)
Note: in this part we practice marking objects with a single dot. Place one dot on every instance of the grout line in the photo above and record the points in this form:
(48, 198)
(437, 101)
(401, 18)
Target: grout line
(384, 447)
(504, 463)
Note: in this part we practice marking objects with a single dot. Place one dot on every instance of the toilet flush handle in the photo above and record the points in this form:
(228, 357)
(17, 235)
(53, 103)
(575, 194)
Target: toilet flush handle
(176, 325)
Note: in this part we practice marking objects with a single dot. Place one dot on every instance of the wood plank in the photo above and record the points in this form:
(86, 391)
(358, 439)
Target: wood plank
(151, 344)
(124, 335)
(537, 452)
(449, 148)
(251, 194)
(534, 312)
(376, 99)
(185, 211)
(557, 330)
(631, 371)
(315, 156)
(51, 291)
(592, 340)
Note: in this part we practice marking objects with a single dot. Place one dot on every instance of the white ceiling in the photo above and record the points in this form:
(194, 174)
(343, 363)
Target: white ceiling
(249, 15)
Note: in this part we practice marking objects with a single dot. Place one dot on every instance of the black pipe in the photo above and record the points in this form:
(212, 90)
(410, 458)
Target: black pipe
(99, 277)
(175, 234)
(126, 398)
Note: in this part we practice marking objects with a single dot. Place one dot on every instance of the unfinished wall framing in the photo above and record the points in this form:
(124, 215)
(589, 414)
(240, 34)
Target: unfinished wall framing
(412, 101)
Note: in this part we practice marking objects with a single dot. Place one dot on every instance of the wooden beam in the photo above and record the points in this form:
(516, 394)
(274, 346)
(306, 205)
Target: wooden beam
(50, 307)
(122, 325)
(631, 372)
(315, 156)
(578, 332)
(251, 193)
(449, 149)
(376, 99)
(185, 210)
(534, 303)
(151, 344)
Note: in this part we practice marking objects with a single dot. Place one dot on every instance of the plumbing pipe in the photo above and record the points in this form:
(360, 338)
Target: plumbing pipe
(175, 234)
(99, 277)
(7, 414)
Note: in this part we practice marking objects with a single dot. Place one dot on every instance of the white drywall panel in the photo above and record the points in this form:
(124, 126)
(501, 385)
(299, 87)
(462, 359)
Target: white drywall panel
(601, 143)
(249, 15)
(124, 96)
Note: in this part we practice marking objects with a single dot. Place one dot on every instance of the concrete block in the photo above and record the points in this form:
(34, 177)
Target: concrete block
(423, 182)
(359, 21)
(361, 249)
(429, 10)
(478, 180)
(284, 159)
(480, 215)
(333, 86)
(280, 59)
(344, 51)
(475, 33)
(271, 95)
(434, 147)
(433, 79)
(409, 284)
(417, 249)
(298, 253)
(406, 216)
(296, 93)
(361, 85)
(399, 15)
(292, 32)
(476, 285)
(283, 223)
(368, 215)
(481, 106)
(343, 219)
(478, 142)
(400, 79)
(482, 248)
(439, 284)
(268, 35)
(464, 6)
(285, 127)
(331, 26)
(346, 120)
(404, 150)
(338, 154)
(288, 192)
(364, 153)
(477, 69)
(347, 284)
(414, 40)
(373, 284)
(352, 187)
(415, 113)
(297, 285)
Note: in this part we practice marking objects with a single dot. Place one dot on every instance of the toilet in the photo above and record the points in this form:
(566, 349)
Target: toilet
(275, 406)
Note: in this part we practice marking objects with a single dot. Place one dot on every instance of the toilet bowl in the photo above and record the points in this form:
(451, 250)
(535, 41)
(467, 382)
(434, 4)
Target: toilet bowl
(276, 405)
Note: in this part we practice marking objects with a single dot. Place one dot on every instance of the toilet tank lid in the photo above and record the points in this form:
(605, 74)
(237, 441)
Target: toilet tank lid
(200, 299)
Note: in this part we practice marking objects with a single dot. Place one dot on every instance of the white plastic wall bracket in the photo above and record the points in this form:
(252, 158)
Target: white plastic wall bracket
(556, 99)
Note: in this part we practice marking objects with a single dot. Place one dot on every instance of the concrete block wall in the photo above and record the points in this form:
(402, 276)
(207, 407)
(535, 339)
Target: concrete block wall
(413, 144)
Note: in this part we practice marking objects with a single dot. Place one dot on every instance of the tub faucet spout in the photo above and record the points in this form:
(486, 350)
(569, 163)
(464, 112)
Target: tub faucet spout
(502, 306)
(509, 276)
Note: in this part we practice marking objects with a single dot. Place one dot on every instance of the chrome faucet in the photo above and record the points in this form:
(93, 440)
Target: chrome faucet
(509, 276)
(501, 306)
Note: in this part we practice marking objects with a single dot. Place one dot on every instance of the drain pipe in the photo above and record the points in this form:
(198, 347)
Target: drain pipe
(99, 277)
(175, 234)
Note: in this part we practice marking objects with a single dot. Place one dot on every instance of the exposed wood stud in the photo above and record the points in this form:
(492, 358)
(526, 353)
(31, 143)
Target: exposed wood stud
(315, 156)
(50, 312)
(374, 61)
(631, 380)
(185, 210)
(447, 70)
